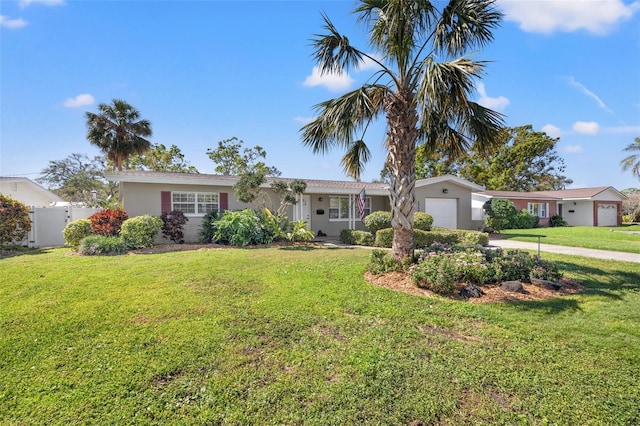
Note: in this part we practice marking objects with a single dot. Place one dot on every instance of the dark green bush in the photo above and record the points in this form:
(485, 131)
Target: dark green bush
(208, 227)
(356, 238)
(239, 228)
(500, 213)
(101, 245)
(381, 262)
(523, 220)
(422, 220)
(15, 223)
(377, 220)
(557, 220)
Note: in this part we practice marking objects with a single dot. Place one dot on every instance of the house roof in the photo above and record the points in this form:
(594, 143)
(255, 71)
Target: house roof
(314, 186)
(36, 187)
(564, 194)
(452, 179)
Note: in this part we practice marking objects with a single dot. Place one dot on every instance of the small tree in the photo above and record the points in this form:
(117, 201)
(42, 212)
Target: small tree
(14, 220)
(500, 213)
(288, 193)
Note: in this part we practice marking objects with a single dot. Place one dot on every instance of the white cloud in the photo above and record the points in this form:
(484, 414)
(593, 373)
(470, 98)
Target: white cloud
(80, 100)
(332, 81)
(498, 104)
(303, 120)
(548, 16)
(572, 149)
(586, 127)
(368, 64)
(6, 22)
(25, 3)
(589, 93)
(552, 131)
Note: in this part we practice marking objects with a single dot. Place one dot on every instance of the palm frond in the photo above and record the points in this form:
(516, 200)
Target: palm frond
(333, 53)
(466, 25)
(355, 158)
(340, 119)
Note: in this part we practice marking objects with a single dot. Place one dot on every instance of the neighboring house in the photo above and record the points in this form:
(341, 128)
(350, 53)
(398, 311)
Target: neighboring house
(327, 206)
(601, 206)
(28, 192)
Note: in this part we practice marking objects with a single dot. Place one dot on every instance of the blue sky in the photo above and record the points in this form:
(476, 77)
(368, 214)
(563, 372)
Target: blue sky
(205, 71)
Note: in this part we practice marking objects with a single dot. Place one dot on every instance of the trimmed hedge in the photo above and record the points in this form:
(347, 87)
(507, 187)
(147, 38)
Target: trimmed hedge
(422, 239)
(140, 231)
(356, 238)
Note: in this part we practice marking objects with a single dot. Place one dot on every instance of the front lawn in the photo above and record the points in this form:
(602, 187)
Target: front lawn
(622, 238)
(294, 335)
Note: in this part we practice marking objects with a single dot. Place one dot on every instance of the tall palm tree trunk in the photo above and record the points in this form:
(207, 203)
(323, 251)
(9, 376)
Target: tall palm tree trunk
(402, 134)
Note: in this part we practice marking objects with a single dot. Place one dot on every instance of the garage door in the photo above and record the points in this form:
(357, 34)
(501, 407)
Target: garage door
(607, 215)
(443, 210)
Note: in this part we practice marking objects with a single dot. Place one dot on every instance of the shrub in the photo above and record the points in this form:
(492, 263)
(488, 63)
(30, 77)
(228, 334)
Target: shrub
(469, 238)
(516, 265)
(356, 238)
(173, 225)
(436, 272)
(500, 213)
(381, 262)
(101, 245)
(545, 270)
(384, 238)
(239, 228)
(107, 222)
(14, 220)
(274, 226)
(422, 220)
(208, 227)
(75, 231)
(140, 231)
(523, 220)
(557, 220)
(377, 220)
(301, 232)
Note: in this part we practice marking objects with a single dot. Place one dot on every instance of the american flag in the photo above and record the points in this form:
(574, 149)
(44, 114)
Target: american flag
(361, 204)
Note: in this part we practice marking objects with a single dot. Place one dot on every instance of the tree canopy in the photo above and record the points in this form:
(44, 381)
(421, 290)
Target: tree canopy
(118, 131)
(521, 160)
(632, 161)
(160, 159)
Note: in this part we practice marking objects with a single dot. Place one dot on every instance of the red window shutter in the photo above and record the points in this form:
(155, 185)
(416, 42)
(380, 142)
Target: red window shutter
(224, 201)
(165, 201)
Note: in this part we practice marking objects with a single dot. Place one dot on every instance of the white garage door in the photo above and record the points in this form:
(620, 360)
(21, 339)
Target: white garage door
(607, 215)
(443, 210)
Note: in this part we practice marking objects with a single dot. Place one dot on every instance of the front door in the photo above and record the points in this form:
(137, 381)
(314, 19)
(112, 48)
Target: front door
(302, 210)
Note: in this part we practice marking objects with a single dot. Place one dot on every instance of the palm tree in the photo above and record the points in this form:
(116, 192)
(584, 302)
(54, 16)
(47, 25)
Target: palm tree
(118, 131)
(422, 88)
(632, 161)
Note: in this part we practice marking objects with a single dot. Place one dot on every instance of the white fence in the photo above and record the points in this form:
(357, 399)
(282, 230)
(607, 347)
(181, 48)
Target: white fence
(47, 224)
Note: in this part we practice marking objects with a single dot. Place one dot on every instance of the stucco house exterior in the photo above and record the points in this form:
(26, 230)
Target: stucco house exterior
(599, 206)
(28, 192)
(328, 206)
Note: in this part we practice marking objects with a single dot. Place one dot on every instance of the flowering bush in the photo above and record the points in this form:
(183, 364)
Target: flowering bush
(107, 222)
(436, 272)
(545, 270)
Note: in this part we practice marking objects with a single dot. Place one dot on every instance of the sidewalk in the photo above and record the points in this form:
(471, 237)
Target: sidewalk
(576, 251)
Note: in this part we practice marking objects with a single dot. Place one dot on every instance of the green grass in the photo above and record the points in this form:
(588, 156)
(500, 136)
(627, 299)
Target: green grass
(296, 336)
(623, 238)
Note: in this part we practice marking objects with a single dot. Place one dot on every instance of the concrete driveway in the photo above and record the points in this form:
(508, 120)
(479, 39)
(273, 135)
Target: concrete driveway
(576, 251)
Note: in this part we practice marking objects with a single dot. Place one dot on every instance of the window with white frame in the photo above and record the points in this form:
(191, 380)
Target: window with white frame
(195, 203)
(539, 209)
(340, 209)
